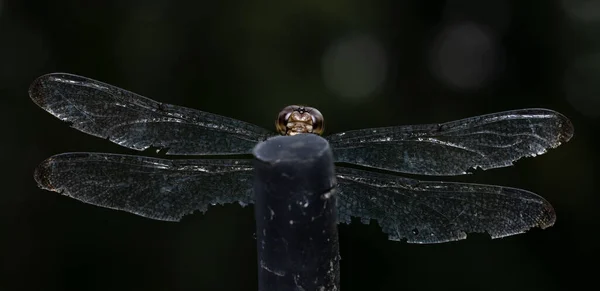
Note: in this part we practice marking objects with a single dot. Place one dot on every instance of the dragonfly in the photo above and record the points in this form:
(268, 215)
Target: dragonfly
(207, 161)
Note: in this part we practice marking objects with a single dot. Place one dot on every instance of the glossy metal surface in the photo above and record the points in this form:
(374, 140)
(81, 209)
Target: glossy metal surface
(406, 209)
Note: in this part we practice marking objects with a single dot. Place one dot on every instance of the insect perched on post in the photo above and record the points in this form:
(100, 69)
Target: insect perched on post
(406, 209)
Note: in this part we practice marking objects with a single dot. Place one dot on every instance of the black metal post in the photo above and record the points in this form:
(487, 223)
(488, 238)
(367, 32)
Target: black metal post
(296, 216)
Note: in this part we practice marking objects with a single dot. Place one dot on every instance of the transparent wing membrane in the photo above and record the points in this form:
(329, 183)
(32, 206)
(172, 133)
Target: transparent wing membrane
(452, 148)
(136, 122)
(406, 209)
(435, 212)
(155, 188)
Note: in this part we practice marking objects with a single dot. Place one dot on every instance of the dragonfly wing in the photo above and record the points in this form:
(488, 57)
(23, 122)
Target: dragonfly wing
(155, 188)
(136, 122)
(486, 142)
(435, 212)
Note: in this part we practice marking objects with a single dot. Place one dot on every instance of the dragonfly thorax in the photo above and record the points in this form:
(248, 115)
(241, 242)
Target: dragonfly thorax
(296, 119)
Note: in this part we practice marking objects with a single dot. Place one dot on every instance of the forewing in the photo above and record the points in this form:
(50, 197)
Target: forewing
(436, 212)
(136, 122)
(154, 188)
(453, 148)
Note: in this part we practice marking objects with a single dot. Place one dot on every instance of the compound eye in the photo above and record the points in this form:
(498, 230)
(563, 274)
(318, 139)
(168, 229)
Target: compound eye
(283, 118)
(317, 120)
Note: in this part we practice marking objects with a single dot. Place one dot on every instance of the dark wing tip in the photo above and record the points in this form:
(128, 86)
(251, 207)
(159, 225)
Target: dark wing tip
(43, 173)
(39, 90)
(547, 217)
(566, 128)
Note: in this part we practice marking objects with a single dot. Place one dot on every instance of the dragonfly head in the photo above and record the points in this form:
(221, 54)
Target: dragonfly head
(296, 119)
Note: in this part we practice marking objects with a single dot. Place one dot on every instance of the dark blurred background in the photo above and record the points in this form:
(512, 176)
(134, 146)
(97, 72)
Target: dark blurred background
(363, 64)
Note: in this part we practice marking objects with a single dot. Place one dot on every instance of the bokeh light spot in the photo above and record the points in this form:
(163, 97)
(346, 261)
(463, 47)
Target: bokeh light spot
(582, 10)
(465, 56)
(355, 67)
